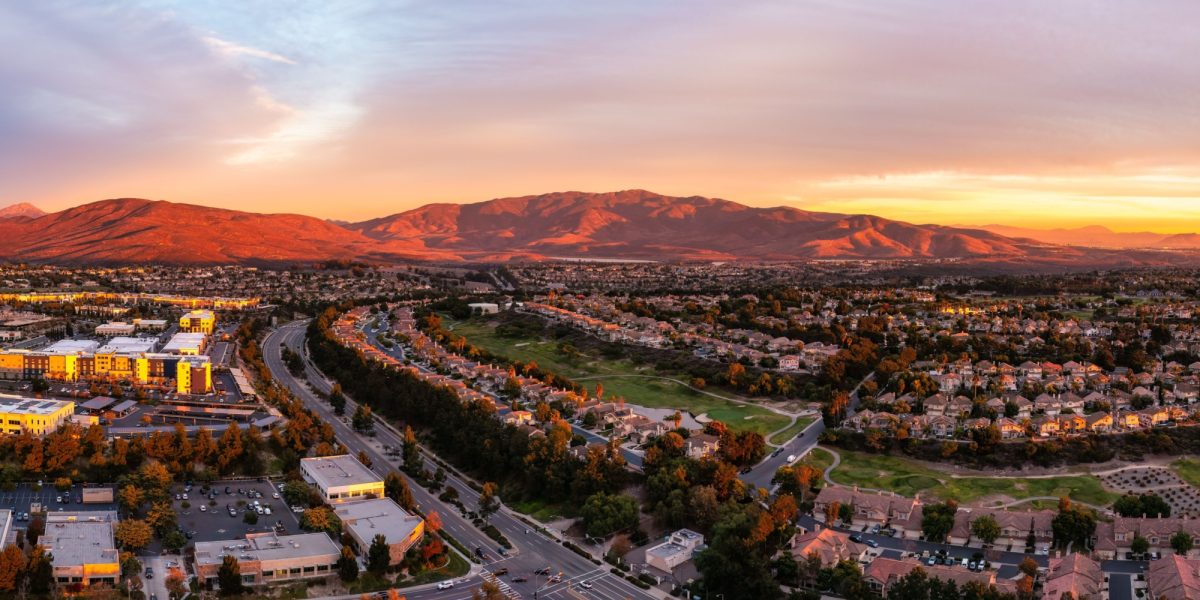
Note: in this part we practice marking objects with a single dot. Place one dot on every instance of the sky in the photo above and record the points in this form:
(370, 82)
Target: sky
(1021, 112)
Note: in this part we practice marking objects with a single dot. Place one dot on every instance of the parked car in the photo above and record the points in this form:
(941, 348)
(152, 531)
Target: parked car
(873, 543)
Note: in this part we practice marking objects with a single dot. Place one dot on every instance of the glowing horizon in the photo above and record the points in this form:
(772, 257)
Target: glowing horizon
(1026, 114)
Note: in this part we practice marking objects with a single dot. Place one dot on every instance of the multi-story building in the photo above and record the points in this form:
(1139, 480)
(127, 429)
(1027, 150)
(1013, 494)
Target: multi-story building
(268, 557)
(382, 516)
(198, 321)
(83, 547)
(193, 375)
(341, 478)
(34, 415)
(111, 362)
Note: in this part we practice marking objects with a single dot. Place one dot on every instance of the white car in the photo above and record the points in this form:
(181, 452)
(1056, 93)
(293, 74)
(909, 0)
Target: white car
(266, 510)
(203, 508)
(445, 585)
(587, 585)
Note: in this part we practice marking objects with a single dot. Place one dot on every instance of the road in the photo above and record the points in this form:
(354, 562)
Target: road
(796, 447)
(532, 550)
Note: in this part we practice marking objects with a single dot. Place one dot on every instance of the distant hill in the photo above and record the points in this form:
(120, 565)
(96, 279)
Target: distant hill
(21, 210)
(641, 224)
(1097, 236)
(130, 231)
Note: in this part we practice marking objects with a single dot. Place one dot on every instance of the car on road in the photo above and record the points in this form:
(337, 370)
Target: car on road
(791, 458)
(519, 579)
(856, 538)
(542, 571)
(149, 573)
(500, 572)
(445, 585)
(872, 543)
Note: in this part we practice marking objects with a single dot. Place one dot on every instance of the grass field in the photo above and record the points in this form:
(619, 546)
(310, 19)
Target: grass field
(818, 459)
(617, 380)
(907, 478)
(1188, 470)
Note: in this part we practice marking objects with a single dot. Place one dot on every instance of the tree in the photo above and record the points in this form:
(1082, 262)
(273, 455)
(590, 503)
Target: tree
(379, 555)
(1029, 566)
(176, 585)
(1139, 545)
(1073, 525)
(337, 400)
(347, 565)
(986, 529)
(12, 568)
(489, 502)
(411, 452)
(608, 513)
(362, 420)
(133, 534)
(487, 591)
(321, 519)
(229, 576)
(937, 520)
(1142, 505)
(1181, 543)
(396, 488)
(39, 571)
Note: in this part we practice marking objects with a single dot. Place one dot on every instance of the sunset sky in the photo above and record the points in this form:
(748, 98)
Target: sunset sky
(1034, 113)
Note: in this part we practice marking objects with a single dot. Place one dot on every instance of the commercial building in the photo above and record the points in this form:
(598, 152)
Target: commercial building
(150, 324)
(190, 344)
(677, 550)
(123, 360)
(382, 516)
(198, 321)
(34, 415)
(193, 375)
(116, 328)
(83, 547)
(341, 478)
(267, 557)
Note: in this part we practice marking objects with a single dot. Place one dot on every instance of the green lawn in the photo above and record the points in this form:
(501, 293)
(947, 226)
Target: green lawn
(907, 478)
(651, 393)
(1188, 470)
(818, 458)
(796, 428)
(541, 511)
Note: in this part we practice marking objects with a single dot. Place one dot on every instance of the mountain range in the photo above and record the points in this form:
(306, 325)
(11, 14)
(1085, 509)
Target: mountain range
(631, 224)
(1098, 236)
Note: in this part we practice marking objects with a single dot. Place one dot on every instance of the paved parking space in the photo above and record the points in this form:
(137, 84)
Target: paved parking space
(20, 499)
(215, 522)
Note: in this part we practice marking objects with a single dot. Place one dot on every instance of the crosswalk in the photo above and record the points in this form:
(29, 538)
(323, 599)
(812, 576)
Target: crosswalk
(503, 585)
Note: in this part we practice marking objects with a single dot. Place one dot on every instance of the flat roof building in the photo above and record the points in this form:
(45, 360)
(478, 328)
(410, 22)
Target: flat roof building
(83, 547)
(34, 415)
(677, 550)
(69, 346)
(198, 321)
(267, 557)
(342, 478)
(381, 516)
(186, 343)
(150, 324)
(128, 345)
(116, 328)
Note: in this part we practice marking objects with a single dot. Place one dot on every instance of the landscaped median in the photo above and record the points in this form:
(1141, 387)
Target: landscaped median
(908, 478)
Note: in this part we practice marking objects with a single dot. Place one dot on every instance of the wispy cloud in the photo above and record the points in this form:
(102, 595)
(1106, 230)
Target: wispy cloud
(228, 48)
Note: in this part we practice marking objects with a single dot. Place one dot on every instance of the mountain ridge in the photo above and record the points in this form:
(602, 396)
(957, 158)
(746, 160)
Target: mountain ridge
(629, 224)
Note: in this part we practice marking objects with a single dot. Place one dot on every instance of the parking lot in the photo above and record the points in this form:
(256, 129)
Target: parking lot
(215, 522)
(24, 495)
